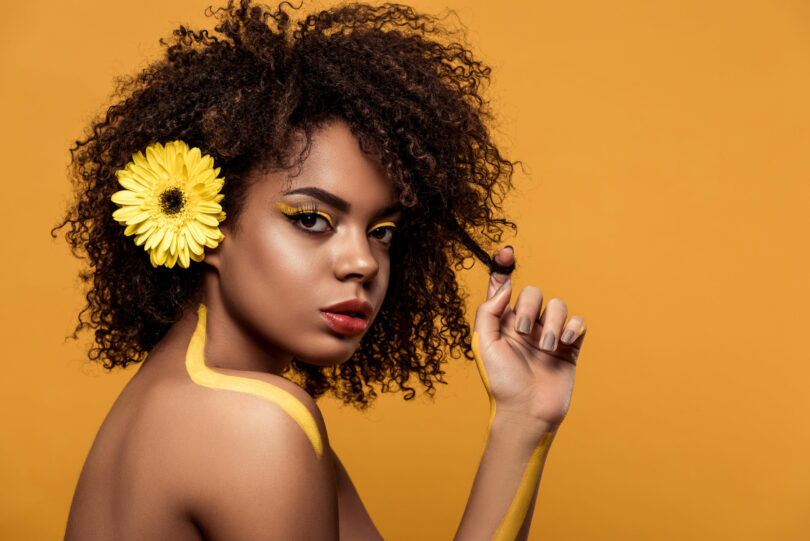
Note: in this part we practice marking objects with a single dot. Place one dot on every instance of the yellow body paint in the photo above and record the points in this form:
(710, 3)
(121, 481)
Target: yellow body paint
(516, 514)
(202, 375)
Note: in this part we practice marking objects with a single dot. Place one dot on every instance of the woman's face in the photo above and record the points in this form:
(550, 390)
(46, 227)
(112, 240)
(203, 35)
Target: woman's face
(307, 243)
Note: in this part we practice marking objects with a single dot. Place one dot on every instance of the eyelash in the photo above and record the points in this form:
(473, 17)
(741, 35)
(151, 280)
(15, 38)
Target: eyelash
(310, 209)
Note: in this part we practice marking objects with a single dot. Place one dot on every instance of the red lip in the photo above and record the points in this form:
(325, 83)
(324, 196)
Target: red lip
(352, 306)
(348, 317)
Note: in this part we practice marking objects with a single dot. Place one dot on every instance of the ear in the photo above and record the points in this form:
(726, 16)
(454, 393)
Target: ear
(213, 256)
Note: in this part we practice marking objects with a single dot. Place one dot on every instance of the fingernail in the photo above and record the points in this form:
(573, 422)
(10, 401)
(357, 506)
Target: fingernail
(548, 342)
(503, 286)
(568, 336)
(524, 325)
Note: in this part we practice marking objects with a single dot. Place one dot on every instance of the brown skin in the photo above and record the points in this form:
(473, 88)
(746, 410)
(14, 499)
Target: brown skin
(243, 93)
(174, 460)
(177, 461)
(171, 456)
(269, 280)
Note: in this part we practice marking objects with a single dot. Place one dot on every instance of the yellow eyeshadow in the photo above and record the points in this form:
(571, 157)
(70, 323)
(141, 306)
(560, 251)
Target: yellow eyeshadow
(290, 210)
(392, 224)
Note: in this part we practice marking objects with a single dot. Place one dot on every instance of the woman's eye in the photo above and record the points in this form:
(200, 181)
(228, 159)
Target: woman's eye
(309, 221)
(384, 234)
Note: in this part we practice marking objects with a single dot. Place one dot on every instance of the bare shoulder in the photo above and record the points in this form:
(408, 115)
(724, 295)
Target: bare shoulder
(249, 465)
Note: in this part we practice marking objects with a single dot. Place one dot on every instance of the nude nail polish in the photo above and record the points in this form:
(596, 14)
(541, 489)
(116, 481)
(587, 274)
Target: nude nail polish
(524, 325)
(548, 342)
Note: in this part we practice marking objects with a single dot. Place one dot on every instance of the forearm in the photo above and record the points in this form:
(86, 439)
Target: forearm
(505, 487)
(523, 534)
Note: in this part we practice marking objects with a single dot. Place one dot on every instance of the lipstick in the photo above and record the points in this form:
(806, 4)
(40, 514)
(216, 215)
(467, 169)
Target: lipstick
(345, 324)
(348, 317)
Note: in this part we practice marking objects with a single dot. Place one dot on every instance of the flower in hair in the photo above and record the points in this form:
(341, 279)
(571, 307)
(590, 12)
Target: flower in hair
(171, 203)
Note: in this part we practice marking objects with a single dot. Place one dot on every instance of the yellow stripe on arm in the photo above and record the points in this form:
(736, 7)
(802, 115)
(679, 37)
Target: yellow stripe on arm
(202, 375)
(516, 514)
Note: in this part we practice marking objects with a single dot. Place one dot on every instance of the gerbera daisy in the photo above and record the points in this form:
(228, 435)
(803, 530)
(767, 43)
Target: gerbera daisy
(171, 203)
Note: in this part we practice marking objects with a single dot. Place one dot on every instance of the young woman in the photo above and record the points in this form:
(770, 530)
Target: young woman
(277, 213)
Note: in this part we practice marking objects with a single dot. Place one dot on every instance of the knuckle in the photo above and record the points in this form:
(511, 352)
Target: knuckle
(560, 304)
(533, 291)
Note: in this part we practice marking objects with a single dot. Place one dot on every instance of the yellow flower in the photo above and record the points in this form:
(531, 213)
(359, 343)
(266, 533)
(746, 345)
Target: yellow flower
(171, 203)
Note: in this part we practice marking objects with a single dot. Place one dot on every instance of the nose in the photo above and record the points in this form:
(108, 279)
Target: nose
(354, 258)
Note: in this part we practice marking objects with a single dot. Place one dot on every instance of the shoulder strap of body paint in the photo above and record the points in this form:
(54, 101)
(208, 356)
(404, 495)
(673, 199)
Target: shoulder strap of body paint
(203, 375)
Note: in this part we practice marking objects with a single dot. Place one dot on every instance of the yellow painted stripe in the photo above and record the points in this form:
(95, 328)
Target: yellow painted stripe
(512, 522)
(202, 375)
(516, 514)
(483, 373)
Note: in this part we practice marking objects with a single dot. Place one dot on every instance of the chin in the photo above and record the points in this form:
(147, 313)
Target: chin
(332, 354)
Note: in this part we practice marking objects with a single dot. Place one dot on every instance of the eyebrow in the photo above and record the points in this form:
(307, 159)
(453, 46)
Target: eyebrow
(338, 203)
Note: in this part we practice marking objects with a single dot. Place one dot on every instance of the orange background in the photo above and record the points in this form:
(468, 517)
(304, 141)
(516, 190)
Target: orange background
(666, 199)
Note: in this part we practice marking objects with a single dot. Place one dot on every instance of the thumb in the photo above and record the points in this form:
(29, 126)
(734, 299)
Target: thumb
(499, 294)
(504, 257)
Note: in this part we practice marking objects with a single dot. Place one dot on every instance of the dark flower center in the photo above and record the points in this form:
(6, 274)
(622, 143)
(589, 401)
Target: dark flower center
(172, 201)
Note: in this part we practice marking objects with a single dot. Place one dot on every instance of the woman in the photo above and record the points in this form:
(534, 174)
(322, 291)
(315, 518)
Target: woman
(278, 213)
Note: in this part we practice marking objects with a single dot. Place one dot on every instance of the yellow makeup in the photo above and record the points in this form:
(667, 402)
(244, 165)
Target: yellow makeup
(516, 514)
(384, 224)
(291, 211)
(202, 375)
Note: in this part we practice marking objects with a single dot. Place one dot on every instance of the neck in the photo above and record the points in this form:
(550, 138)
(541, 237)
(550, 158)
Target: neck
(229, 343)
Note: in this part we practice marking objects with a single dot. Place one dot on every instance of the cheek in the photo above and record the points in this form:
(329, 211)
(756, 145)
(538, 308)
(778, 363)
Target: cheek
(280, 262)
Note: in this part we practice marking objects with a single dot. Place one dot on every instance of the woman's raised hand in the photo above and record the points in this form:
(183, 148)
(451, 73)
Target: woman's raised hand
(529, 366)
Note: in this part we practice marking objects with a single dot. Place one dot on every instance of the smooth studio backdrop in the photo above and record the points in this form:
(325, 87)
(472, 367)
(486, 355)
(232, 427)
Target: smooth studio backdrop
(665, 198)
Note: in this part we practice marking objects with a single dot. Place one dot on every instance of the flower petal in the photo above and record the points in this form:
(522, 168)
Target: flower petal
(171, 260)
(167, 241)
(126, 197)
(139, 159)
(131, 182)
(193, 164)
(160, 256)
(153, 239)
(191, 242)
(145, 176)
(145, 225)
(196, 231)
(207, 220)
(156, 156)
(130, 215)
(209, 207)
(143, 237)
(182, 255)
(209, 232)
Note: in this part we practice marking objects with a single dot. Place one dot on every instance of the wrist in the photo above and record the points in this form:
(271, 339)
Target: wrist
(522, 428)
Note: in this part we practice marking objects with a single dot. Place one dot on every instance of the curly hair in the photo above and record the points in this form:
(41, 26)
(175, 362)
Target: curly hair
(413, 100)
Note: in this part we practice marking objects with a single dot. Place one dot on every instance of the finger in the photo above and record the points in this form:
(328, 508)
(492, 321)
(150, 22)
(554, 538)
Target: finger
(574, 330)
(552, 319)
(527, 308)
(488, 316)
(505, 256)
